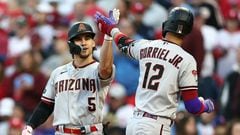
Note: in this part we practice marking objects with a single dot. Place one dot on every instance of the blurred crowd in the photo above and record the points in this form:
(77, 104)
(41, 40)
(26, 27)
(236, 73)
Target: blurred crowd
(33, 35)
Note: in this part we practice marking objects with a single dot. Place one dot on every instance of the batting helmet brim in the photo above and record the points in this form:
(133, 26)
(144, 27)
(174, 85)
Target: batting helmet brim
(82, 33)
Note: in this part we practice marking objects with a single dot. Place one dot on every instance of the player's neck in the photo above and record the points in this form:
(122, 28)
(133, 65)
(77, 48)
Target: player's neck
(174, 39)
(80, 62)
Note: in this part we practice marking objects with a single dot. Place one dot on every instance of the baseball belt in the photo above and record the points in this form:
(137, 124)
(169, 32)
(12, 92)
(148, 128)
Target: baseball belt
(155, 117)
(78, 131)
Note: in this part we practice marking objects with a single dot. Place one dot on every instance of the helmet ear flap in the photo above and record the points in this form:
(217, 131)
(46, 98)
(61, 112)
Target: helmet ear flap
(73, 48)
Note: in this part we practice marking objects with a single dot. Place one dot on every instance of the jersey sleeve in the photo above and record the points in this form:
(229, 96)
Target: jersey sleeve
(49, 91)
(135, 47)
(188, 79)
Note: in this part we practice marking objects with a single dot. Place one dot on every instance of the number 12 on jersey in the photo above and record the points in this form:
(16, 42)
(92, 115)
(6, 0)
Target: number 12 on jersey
(151, 80)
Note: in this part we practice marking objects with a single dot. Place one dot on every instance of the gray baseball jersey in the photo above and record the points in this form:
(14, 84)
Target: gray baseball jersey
(165, 70)
(78, 94)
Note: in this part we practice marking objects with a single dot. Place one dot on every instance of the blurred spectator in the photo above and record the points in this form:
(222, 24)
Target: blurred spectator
(84, 10)
(127, 69)
(2, 79)
(6, 111)
(234, 127)
(193, 42)
(16, 122)
(220, 130)
(185, 124)
(78, 12)
(3, 39)
(210, 42)
(208, 87)
(25, 85)
(36, 43)
(124, 8)
(61, 55)
(54, 16)
(92, 8)
(182, 3)
(211, 8)
(165, 3)
(126, 72)
(64, 24)
(15, 126)
(21, 41)
(205, 124)
(229, 40)
(18, 112)
(230, 100)
(228, 5)
(43, 28)
(30, 6)
(117, 111)
(154, 14)
(137, 10)
(107, 4)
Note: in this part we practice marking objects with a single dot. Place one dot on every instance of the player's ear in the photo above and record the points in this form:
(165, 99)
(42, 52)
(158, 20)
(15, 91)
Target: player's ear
(93, 44)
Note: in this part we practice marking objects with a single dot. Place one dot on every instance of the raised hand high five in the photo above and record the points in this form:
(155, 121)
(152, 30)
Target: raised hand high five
(106, 24)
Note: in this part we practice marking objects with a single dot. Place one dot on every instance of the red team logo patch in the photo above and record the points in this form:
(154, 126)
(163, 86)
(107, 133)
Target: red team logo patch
(194, 72)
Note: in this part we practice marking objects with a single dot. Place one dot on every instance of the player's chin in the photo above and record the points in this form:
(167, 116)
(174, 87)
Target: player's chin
(84, 55)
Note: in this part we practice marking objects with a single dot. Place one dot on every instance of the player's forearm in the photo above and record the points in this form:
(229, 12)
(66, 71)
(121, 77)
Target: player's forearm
(40, 114)
(194, 106)
(106, 59)
(122, 41)
(192, 103)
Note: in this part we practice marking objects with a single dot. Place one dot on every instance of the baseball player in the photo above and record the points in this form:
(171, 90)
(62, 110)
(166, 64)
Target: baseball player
(166, 73)
(76, 92)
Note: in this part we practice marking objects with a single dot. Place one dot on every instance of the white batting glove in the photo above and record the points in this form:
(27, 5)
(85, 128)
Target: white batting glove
(28, 130)
(115, 15)
(208, 104)
(201, 99)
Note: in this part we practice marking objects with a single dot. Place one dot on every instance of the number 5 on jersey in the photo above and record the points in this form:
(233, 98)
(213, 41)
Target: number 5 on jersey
(91, 104)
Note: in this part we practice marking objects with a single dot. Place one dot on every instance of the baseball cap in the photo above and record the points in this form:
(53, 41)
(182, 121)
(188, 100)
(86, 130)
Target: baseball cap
(117, 91)
(232, 15)
(137, 7)
(6, 106)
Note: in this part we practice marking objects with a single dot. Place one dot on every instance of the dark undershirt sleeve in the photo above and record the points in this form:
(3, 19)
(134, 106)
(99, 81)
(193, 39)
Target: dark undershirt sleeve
(40, 114)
